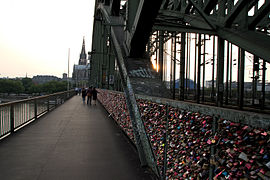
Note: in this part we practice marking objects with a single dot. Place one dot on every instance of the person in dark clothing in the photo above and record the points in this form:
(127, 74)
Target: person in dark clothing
(83, 94)
(80, 91)
(94, 94)
(89, 95)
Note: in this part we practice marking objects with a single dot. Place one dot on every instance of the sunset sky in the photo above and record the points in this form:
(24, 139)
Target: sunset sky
(35, 35)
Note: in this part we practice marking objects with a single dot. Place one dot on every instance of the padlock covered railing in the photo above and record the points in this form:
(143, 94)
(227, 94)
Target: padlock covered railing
(197, 145)
(15, 115)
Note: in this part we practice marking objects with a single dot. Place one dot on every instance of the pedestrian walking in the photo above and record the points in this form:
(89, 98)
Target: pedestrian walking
(80, 91)
(89, 95)
(83, 94)
(94, 94)
(76, 90)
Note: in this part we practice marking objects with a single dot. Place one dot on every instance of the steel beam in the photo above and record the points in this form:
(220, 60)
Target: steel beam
(203, 64)
(236, 10)
(132, 6)
(220, 72)
(209, 6)
(182, 67)
(142, 143)
(253, 42)
(259, 15)
(195, 68)
(227, 73)
(142, 27)
(198, 96)
(173, 63)
(164, 4)
(107, 2)
(263, 84)
(204, 16)
(115, 7)
(213, 69)
(161, 51)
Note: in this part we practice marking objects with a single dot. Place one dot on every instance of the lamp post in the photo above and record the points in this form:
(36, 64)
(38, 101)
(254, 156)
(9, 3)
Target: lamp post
(68, 70)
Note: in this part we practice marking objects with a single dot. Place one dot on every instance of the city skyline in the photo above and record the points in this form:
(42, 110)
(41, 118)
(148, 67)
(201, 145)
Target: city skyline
(35, 36)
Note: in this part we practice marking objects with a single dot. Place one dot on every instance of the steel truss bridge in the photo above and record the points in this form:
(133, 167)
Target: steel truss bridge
(213, 52)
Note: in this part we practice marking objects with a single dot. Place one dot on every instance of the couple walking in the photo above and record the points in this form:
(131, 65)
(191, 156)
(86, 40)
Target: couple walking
(90, 92)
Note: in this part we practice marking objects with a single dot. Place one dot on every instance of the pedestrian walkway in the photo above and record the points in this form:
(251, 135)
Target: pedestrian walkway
(74, 142)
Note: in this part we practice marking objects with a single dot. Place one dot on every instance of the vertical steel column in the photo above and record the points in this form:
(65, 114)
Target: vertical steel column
(243, 24)
(229, 8)
(103, 62)
(241, 79)
(227, 74)
(99, 52)
(93, 55)
(254, 78)
(187, 63)
(35, 110)
(263, 84)
(148, 46)
(12, 123)
(220, 60)
(171, 63)
(231, 73)
(100, 57)
(132, 6)
(220, 72)
(157, 50)
(182, 67)
(213, 69)
(110, 67)
(203, 84)
(174, 63)
(238, 76)
(195, 71)
(161, 51)
(199, 69)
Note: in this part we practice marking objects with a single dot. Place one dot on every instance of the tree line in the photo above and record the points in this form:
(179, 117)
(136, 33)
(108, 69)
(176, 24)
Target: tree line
(27, 86)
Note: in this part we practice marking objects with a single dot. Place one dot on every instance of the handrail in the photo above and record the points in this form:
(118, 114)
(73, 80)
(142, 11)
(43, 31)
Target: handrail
(33, 98)
(17, 114)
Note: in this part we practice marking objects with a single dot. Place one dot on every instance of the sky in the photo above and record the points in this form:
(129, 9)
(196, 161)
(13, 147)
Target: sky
(36, 35)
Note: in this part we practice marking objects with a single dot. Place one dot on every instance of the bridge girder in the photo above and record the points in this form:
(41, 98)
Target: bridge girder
(142, 27)
(230, 22)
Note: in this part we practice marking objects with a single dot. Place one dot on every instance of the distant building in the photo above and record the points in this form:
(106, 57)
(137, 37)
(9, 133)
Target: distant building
(187, 83)
(64, 77)
(208, 84)
(81, 72)
(41, 79)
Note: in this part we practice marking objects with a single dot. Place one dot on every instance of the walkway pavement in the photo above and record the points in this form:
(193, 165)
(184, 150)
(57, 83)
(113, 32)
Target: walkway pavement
(74, 142)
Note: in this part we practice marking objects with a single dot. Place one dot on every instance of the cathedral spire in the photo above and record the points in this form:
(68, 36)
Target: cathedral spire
(83, 60)
(83, 47)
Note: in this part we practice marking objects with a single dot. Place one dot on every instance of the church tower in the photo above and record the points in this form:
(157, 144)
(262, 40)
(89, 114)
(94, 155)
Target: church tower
(83, 58)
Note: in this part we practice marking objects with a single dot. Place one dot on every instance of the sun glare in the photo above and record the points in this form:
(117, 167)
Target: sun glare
(155, 66)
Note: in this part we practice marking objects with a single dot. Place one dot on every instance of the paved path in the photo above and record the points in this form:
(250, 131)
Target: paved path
(75, 141)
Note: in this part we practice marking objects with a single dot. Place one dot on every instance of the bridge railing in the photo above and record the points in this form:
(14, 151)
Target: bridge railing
(15, 115)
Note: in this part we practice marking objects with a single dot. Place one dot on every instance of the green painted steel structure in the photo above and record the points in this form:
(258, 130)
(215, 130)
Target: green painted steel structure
(177, 36)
